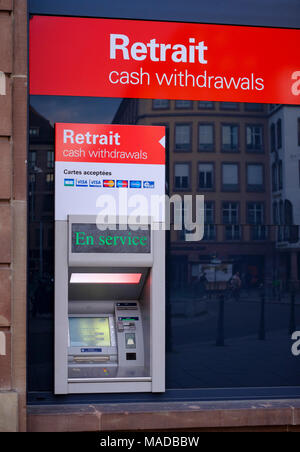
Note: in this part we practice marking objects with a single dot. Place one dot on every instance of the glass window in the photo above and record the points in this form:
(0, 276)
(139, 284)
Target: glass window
(206, 176)
(209, 212)
(182, 176)
(230, 213)
(259, 232)
(230, 138)
(280, 175)
(274, 177)
(206, 137)
(279, 134)
(206, 104)
(34, 132)
(273, 137)
(32, 159)
(254, 136)
(255, 213)
(160, 104)
(255, 177)
(183, 104)
(229, 105)
(183, 137)
(50, 159)
(275, 213)
(230, 176)
(254, 107)
(233, 232)
(191, 329)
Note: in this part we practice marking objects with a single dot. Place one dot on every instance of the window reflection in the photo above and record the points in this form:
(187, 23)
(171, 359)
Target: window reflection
(244, 158)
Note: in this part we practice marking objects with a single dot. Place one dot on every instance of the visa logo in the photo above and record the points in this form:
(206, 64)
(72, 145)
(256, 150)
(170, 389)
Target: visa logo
(122, 183)
(108, 183)
(81, 183)
(135, 184)
(148, 184)
(95, 183)
(69, 182)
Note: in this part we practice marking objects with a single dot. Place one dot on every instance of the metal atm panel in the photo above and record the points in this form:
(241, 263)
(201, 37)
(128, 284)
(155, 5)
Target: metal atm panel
(109, 313)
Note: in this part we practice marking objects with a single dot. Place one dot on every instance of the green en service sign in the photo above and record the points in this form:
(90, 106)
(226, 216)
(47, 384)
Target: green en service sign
(87, 238)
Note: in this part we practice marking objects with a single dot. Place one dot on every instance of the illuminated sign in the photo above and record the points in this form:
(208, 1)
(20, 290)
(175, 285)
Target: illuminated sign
(87, 238)
(96, 163)
(164, 60)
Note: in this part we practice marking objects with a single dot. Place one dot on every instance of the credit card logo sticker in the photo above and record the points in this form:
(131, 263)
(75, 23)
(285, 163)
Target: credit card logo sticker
(122, 183)
(95, 183)
(108, 183)
(81, 183)
(148, 184)
(135, 184)
(69, 182)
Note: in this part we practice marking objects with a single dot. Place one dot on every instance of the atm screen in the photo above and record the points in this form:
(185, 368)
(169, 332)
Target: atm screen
(89, 332)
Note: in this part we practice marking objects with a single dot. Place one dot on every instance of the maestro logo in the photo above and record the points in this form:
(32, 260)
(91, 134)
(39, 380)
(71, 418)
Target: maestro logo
(122, 183)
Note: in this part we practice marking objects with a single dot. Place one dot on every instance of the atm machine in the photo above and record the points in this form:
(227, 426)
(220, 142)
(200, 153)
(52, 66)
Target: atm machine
(109, 307)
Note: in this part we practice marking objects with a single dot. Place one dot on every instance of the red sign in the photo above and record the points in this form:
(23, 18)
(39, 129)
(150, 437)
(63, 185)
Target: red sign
(139, 59)
(110, 144)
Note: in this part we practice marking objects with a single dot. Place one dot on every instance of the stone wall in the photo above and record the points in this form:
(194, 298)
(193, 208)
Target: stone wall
(13, 213)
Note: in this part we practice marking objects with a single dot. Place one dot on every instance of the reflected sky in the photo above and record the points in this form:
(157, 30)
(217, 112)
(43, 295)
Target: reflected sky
(76, 109)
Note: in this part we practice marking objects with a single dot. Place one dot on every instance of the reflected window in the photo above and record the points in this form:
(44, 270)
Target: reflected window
(280, 175)
(273, 137)
(50, 159)
(209, 220)
(229, 138)
(230, 177)
(279, 134)
(259, 232)
(160, 104)
(254, 107)
(202, 104)
(275, 213)
(182, 176)
(254, 137)
(183, 104)
(229, 105)
(183, 137)
(206, 176)
(34, 132)
(233, 232)
(206, 137)
(255, 177)
(230, 213)
(274, 177)
(255, 213)
(32, 160)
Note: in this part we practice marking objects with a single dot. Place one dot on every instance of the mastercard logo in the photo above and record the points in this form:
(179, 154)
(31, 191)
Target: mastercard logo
(108, 183)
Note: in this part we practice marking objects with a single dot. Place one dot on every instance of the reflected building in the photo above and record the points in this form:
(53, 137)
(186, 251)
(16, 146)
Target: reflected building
(284, 126)
(220, 150)
(41, 195)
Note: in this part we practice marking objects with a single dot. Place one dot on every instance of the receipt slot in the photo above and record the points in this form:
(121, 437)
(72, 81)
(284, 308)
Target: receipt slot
(109, 307)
